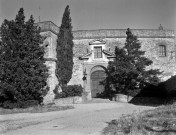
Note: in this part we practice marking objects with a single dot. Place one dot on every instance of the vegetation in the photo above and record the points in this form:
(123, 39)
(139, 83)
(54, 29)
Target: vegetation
(128, 72)
(163, 93)
(70, 91)
(159, 121)
(35, 109)
(23, 74)
(65, 50)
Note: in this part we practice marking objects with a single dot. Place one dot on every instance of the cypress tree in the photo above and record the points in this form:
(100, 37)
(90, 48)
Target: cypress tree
(128, 71)
(65, 49)
(23, 74)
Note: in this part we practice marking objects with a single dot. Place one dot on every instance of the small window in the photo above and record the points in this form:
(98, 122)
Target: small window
(162, 50)
(97, 52)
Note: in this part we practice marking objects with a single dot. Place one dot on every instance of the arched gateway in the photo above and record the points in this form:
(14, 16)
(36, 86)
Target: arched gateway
(95, 63)
(98, 75)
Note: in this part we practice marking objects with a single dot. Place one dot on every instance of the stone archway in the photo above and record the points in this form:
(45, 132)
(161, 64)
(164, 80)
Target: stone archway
(98, 74)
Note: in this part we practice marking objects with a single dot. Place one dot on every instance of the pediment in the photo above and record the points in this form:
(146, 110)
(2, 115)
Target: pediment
(86, 56)
(105, 52)
(97, 42)
(109, 54)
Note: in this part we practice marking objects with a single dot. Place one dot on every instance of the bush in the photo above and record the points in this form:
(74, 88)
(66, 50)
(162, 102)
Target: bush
(20, 104)
(163, 93)
(170, 86)
(70, 91)
(158, 121)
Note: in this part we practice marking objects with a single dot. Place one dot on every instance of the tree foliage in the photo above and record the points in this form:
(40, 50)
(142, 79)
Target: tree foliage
(23, 74)
(65, 49)
(128, 71)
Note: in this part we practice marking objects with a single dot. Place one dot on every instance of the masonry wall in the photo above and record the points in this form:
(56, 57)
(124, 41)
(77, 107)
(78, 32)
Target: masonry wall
(49, 44)
(77, 72)
(121, 33)
(165, 64)
(150, 41)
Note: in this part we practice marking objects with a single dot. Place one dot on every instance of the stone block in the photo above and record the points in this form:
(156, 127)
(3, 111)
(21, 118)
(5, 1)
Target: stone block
(122, 98)
(77, 100)
(68, 100)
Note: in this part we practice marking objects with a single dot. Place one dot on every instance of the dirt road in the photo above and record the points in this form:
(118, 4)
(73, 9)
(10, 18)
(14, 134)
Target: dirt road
(85, 119)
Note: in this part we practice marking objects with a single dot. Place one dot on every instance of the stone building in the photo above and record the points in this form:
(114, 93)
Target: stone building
(94, 48)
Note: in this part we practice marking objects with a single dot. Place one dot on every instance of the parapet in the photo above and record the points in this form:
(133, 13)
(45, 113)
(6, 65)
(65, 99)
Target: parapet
(48, 26)
(121, 33)
(108, 33)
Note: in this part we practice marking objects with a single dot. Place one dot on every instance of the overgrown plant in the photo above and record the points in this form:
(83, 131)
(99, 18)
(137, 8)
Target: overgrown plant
(128, 70)
(65, 50)
(158, 121)
(69, 91)
(23, 74)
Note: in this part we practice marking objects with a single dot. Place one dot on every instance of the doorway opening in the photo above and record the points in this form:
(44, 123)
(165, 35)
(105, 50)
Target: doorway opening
(97, 86)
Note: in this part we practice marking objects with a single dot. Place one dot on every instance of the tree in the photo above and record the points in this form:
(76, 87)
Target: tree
(65, 50)
(128, 71)
(23, 74)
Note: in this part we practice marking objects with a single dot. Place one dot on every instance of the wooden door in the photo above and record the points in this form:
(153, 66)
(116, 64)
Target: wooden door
(96, 78)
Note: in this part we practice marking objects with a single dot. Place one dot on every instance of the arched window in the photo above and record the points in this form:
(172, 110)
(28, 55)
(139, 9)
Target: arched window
(162, 50)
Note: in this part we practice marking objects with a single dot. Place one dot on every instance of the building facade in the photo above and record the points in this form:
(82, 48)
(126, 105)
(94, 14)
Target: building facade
(93, 49)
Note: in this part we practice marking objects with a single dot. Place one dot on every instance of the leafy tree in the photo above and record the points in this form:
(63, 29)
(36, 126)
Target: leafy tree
(23, 74)
(65, 50)
(128, 70)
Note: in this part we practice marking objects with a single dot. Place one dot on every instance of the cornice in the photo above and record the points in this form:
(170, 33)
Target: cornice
(108, 33)
(121, 33)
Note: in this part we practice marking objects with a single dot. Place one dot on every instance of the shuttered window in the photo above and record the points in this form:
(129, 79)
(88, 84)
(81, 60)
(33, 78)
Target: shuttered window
(97, 52)
(162, 50)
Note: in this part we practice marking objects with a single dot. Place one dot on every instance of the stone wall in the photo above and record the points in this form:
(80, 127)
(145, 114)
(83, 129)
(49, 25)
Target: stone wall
(77, 73)
(48, 26)
(150, 40)
(121, 33)
(165, 64)
(148, 44)
(50, 55)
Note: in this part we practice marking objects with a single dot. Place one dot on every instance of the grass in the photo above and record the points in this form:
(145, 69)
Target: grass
(159, 121)
(35, 109)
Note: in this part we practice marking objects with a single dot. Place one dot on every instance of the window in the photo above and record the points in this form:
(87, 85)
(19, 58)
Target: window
(162, 50)
(97, 52)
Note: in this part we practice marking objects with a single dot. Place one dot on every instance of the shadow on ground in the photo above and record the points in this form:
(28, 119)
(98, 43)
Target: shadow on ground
(163, 93)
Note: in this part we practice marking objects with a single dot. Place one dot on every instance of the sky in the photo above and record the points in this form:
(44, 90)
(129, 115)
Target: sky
(97, 14)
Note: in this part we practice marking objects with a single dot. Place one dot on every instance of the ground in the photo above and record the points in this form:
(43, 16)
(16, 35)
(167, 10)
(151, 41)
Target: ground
(85, 119)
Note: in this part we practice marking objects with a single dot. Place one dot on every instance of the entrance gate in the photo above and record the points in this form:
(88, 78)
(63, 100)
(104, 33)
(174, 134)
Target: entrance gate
(96, 78)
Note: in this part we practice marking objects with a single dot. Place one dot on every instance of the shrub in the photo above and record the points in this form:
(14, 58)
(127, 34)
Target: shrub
(70, 91)
(158, 121)
(20, 104)
(170, 86)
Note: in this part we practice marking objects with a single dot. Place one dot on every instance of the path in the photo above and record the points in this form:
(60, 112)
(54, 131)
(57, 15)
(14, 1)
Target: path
(85, 119)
